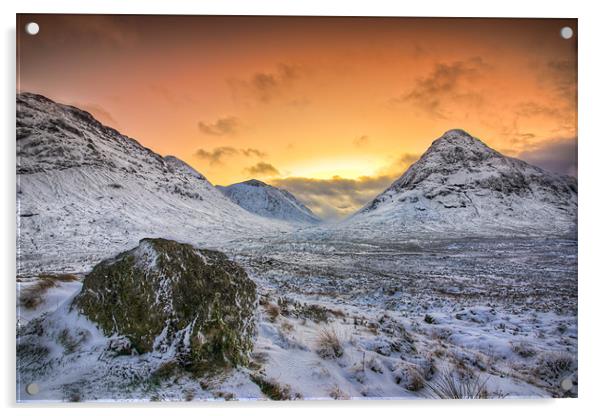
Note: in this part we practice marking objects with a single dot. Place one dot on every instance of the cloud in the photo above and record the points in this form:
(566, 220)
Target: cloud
(336, 197)
(221, 127)
(399, 165)
(253, 152)
(102, 31)
(264, 87)
(216, 156)
(445, 84)
(561, 75)
(262, 169)
(559, 155)
(361, 141)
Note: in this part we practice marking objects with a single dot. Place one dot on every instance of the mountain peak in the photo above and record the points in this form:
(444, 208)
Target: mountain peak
(460, 138)
(461, 182)
(268, 201)
(255, 182)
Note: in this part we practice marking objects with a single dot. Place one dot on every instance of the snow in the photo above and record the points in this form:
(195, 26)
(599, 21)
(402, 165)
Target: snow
(486, 287)
(268, 201)
(462, 186)
(516, 308)
(94, 202)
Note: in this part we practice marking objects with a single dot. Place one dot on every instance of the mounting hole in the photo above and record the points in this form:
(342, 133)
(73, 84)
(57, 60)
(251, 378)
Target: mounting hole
(32, 28)
(32, 389)
(566, 384)
(566, 32)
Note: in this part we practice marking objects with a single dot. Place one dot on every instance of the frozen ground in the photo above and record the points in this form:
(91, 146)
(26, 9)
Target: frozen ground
(343, 319)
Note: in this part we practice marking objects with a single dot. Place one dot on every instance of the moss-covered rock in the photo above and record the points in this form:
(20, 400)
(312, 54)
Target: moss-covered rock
(173, 298)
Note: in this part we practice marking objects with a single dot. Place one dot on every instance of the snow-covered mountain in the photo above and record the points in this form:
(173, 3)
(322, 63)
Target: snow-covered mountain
(462, 186)
(86, 192)
(268, 201)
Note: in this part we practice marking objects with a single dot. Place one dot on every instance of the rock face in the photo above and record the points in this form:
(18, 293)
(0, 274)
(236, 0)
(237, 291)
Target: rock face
(85, 191)
(268, 201)
(166, 296)
(461, 184)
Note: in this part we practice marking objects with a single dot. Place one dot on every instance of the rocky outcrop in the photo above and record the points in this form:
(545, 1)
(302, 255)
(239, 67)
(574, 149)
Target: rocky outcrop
(167, 297)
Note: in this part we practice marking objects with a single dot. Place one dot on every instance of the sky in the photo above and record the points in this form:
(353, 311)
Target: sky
(332, 109)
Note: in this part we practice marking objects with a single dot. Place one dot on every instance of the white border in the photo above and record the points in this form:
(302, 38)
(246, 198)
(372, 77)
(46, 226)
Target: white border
(589, 200)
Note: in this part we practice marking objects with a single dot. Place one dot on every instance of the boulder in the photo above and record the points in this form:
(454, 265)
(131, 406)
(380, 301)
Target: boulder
(172, 298)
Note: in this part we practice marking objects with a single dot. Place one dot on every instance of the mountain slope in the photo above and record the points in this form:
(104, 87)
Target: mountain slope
(85, 192)
(462, 185)
(268, 201)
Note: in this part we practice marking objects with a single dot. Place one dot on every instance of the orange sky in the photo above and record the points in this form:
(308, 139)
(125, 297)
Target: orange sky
(296, 101)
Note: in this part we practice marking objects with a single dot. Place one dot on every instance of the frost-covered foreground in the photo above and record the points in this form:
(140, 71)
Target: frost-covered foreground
(341, 319)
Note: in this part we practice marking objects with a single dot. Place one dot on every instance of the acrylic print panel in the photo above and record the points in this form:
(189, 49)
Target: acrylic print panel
(290, 208)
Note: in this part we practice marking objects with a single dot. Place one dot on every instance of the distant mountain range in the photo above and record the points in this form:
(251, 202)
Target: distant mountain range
(461, 184)
(268, 201)
(86, 192)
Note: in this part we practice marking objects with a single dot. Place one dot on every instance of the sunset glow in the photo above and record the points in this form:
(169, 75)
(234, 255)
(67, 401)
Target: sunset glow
(304, 103)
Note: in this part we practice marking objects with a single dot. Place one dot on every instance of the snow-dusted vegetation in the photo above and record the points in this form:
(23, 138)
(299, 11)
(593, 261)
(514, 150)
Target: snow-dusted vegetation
(459, 281)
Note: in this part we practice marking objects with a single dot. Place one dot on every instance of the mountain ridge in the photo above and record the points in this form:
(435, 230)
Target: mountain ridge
(461, 183)
(85, 192)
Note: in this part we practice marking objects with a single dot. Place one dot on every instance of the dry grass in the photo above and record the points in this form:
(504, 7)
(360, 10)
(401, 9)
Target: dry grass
(273, 311)
(415, 380)
(338, 394)
(32, 296)
(287, 327)
(554, 366)
(329, 344)
(523, 349)
(272, 389)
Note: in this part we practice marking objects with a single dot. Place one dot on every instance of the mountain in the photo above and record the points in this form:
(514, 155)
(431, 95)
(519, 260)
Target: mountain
(268, 201)
(86, 192)
(461, 185)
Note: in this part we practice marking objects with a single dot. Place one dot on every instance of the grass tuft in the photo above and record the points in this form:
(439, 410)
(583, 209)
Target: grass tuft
(449, 386)
(329, 344)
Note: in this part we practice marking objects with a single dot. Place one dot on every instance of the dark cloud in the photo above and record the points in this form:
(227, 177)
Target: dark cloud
(558, 156)
(253, 152)
(336, 197)
(216, 155)
(444, 85)
(262, 169)
(529, 113)
(532, 109)
(361, 141)
(406, 159)
(221, 127)
(561, 75)
(264, 87)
